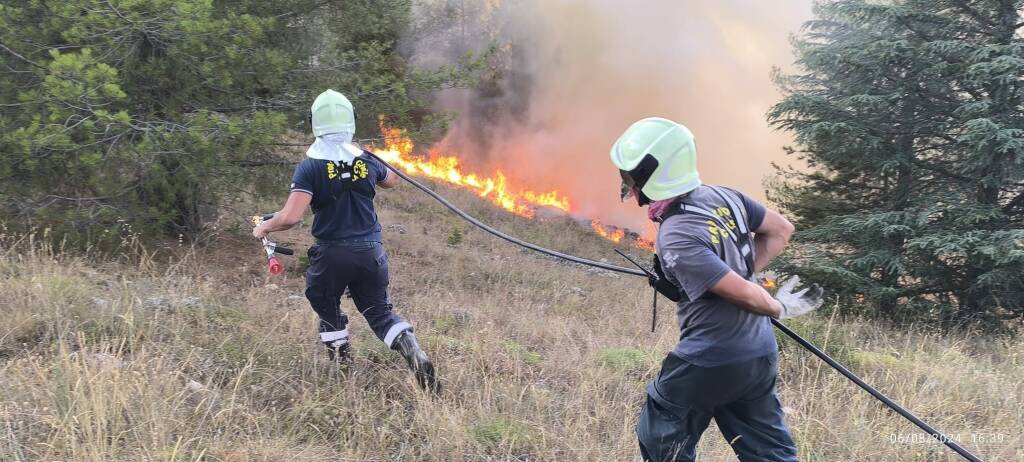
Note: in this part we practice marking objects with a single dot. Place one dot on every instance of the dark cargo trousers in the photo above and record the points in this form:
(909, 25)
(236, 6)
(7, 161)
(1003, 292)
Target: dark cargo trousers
(362, 267)
(740, 397)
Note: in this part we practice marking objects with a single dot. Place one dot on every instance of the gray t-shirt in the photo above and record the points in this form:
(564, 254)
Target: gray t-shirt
(695, 254)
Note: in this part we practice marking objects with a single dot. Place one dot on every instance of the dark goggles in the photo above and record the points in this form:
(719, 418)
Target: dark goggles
(634, 180)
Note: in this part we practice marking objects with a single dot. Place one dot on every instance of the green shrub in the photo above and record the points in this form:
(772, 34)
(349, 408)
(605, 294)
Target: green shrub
(451, 345)
(455, 236)
(531, 358)
(501, 431)
(874, 359)
(628, 359)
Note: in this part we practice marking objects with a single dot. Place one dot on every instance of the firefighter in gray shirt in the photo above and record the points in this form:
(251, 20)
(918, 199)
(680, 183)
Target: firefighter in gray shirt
(711, 242)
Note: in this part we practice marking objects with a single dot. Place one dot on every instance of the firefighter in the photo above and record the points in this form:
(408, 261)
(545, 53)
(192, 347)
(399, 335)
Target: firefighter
(711, 242)
(339, 182)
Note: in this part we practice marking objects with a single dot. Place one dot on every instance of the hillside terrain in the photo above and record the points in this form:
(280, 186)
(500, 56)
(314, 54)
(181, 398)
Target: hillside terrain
(171, 353)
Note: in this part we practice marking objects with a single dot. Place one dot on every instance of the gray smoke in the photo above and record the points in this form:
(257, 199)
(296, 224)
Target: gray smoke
(572, 75)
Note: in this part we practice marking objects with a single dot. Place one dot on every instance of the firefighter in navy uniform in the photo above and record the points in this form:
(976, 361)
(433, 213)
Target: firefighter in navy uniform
(339, 182)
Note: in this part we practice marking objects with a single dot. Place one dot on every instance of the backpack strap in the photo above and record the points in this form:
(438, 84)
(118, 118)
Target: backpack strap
(744, 243)
(339, 182)
(740, 236)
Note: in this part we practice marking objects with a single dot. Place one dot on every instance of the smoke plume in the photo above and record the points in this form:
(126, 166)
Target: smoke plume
(572, 75)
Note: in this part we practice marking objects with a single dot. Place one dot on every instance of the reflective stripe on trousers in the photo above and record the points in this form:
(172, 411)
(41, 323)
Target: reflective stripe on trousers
(362, 268)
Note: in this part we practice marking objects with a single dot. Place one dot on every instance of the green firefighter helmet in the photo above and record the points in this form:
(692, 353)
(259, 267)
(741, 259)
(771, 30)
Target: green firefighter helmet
(658, 157)
(332, 113)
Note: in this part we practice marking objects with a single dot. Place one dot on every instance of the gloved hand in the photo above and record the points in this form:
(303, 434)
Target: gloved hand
(661, 284)
(799, 302)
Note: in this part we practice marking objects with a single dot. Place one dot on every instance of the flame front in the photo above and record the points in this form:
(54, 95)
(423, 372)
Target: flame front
(398, 151)
(608, 232)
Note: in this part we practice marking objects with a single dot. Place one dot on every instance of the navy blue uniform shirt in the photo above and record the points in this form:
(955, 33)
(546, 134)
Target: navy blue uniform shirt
(342, 197)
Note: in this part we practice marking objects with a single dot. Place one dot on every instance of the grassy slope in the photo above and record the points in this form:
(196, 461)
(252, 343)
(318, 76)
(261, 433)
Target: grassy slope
(208, 358)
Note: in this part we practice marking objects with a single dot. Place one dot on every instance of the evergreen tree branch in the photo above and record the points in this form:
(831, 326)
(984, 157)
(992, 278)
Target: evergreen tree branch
(16, 55)
(909, 148)
(965, 8)
(303, 12)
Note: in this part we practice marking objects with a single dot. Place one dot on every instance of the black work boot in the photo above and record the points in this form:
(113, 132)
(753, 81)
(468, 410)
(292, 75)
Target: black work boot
(339, 352)
(419, 363)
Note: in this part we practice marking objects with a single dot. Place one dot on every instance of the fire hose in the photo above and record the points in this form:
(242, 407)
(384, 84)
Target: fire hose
(931, 431)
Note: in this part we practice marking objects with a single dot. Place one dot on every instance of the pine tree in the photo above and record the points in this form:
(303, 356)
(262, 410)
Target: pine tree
(145, 114)
(910, 117)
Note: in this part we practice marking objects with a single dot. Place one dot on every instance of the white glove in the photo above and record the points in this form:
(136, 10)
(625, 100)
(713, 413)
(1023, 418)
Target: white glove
(797, 303)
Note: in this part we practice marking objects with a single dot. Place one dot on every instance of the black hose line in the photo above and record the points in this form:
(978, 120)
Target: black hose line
(877, 394)
(778, 324)
(489, 229)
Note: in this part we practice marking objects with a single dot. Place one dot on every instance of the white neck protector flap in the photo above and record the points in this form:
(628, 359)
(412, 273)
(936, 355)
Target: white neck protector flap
(335, 147)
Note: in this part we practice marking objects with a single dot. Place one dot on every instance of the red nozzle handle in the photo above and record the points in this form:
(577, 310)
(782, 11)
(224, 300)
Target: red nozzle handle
(274, 266)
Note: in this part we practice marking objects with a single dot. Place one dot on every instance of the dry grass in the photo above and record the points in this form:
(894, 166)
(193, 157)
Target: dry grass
(204, 357)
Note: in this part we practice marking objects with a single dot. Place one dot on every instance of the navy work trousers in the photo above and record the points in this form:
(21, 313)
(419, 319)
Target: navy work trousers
(362, 267)
(740, 397)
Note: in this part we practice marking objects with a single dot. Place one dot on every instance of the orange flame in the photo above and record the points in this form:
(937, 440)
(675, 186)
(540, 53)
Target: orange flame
(608, 232)
(645, 244)
(398, 150)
